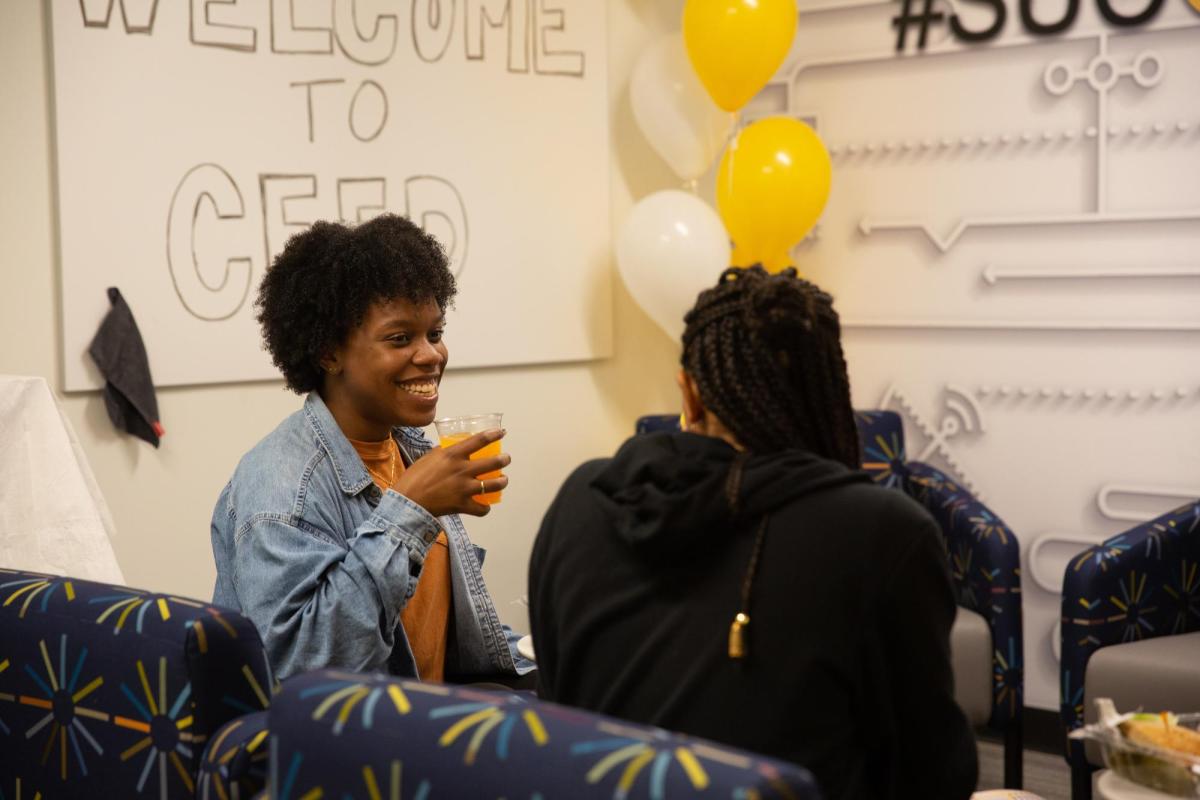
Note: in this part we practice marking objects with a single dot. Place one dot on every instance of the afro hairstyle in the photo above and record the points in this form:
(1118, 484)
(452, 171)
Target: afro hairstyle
(321, 286)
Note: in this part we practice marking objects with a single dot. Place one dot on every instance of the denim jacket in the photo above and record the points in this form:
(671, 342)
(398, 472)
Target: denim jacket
(322, 562)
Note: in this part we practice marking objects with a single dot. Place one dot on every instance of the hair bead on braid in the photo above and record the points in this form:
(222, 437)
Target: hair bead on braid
(766, 354)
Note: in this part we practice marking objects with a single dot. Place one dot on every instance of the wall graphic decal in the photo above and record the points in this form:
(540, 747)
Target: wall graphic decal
(1012, 240)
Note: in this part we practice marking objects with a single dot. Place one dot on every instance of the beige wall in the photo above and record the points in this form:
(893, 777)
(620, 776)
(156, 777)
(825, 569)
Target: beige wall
(557, 416)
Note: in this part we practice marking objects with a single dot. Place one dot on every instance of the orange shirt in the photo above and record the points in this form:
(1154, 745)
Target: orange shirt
(426, 617)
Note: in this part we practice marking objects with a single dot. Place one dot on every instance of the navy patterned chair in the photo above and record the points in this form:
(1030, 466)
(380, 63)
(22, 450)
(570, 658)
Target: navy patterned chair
(985, 562)
(108, 691)
(346, 735)
(1131, 628)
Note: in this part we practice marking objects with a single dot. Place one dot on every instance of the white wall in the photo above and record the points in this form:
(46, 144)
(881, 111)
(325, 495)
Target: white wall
(1015, 267)
(557, 416)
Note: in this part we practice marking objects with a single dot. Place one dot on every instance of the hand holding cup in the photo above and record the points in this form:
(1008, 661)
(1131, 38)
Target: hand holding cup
(457, 477)
(453, 430)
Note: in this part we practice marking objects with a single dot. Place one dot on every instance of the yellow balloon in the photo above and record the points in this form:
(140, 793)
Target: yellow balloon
(772, 185)
(735, 46)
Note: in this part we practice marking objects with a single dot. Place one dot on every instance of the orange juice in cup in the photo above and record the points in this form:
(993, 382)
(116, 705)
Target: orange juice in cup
(452, 430)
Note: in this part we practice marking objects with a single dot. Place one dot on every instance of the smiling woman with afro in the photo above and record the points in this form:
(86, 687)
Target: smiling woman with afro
(322, 284)
(339, 534)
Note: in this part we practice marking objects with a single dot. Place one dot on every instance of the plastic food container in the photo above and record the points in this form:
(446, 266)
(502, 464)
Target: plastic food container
(1170, 771)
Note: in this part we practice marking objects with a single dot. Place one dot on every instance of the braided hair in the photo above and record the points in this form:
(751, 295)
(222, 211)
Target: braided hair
(765, 352)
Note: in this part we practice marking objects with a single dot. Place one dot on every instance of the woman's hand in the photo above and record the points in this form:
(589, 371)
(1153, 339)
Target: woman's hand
(443, 480)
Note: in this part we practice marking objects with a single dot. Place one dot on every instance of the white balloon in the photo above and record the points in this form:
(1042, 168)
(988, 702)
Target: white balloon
(671, 247)
(674, 111)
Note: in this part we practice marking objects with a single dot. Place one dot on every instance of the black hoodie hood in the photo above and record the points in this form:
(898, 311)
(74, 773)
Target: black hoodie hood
(664, 489)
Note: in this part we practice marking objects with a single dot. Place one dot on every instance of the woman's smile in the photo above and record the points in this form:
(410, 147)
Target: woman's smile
(388, 370)
(424, 388)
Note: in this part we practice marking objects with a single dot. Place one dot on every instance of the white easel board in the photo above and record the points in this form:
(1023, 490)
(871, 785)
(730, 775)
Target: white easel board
(193, 138)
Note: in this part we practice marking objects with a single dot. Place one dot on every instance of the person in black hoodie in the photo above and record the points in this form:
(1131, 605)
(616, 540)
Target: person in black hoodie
(743, 581)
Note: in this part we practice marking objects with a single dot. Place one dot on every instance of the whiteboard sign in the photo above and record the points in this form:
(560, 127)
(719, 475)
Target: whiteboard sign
(194, 138)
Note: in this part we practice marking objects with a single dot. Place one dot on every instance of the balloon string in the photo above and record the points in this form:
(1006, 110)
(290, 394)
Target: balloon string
(733, 142)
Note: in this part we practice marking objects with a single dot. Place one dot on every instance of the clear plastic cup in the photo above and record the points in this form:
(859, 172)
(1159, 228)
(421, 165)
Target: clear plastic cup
(452, 430)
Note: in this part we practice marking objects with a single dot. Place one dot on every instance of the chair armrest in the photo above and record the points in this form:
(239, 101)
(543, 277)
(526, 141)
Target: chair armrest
(985, 565)
(234, 763)
(142, 680)
(352, 735)
(1139, 584)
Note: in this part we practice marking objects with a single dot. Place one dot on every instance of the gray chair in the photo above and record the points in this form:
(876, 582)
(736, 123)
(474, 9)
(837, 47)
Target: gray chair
(971, 658)
(986, 642)
(1131, 628)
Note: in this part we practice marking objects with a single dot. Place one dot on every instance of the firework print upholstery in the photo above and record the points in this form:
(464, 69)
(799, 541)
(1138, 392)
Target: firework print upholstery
(112, 691)
(1139, 584)
(234, 766)
(343, 735)
(985, 557)
(985, 564)
(881, 437)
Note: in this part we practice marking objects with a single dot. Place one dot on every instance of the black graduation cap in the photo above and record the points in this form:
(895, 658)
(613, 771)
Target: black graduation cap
(120, 354)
